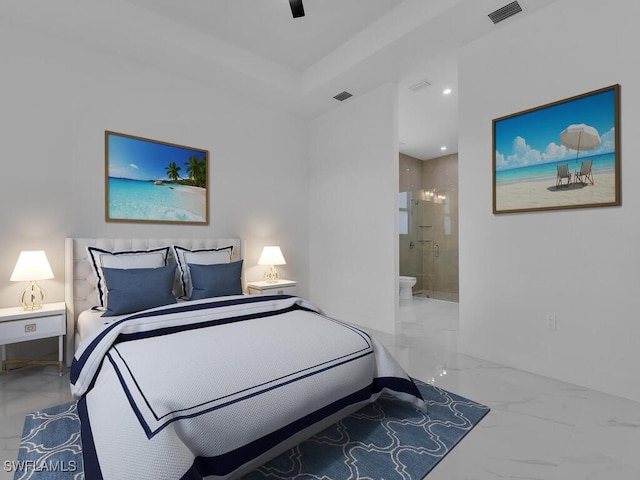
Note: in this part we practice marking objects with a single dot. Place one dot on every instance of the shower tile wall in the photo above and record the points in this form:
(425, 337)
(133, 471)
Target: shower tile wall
(436, 273)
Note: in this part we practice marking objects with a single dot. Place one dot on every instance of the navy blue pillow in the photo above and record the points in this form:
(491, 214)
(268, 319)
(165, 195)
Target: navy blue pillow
(215, 280)
(133, 289)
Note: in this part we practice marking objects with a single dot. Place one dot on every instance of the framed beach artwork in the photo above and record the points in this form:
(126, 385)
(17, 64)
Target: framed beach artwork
(153, 181)
(561, 155)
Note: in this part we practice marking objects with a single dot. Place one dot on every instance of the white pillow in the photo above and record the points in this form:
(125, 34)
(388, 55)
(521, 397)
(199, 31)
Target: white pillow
(128, 259)
(208, 256)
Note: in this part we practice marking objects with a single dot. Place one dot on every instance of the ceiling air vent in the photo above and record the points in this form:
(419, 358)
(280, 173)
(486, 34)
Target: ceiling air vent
(419, 86)
(343, 96)
(505, 12)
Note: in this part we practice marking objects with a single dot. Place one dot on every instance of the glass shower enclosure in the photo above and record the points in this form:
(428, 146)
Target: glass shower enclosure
(429, 242)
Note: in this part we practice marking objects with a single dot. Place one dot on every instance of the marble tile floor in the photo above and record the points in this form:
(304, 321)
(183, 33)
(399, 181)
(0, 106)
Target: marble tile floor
(538, 428)
(25, 390)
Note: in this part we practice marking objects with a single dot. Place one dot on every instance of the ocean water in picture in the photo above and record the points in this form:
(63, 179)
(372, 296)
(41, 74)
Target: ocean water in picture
(144, 200)
(604, 163)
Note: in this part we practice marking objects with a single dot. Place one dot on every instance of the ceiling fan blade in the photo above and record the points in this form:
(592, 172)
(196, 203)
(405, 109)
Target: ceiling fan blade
(297, 10)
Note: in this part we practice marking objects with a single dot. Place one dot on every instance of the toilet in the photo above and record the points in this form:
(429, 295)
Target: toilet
(406, 285)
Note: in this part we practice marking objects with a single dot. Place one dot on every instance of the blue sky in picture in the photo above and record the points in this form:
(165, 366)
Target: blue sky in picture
(138, 159)
(533, 138)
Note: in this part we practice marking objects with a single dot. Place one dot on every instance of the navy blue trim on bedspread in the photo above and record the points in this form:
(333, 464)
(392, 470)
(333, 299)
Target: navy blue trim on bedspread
(78, 363)
(225, 464)
(90, 462)
(174, 416)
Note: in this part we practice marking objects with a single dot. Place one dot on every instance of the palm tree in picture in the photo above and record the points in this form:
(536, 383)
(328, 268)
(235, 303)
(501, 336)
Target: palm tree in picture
(173, 171)
(197, 170)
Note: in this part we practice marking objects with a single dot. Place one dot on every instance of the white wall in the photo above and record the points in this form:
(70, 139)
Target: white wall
(353, 191)
(581, 265)
(57, 100)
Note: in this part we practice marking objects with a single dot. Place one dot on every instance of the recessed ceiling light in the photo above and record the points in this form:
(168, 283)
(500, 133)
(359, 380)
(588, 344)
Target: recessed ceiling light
(446, 91)
(443, 148)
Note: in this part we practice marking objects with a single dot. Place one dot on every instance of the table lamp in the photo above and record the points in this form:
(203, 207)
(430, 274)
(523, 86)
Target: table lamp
(271, 256)
(30, 267)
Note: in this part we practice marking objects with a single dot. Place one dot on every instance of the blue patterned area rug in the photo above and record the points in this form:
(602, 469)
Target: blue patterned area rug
(387, 440)
(50, 447)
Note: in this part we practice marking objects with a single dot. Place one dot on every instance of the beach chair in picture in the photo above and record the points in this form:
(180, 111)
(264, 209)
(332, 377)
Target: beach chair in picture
(585, 174)
(563, 173)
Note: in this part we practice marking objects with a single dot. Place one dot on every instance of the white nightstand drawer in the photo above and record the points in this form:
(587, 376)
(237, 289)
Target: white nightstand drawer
(282, 287)
(274, 291)
(19, 325)
(13, 331)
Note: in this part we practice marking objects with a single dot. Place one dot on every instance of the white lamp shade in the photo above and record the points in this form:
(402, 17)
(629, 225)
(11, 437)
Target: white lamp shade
(271, 256)
(31, 265)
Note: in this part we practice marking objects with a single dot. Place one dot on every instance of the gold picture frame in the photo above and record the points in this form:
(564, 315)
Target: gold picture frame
(564, 154)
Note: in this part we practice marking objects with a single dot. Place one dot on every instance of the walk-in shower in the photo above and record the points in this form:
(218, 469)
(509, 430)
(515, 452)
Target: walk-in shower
(429, 227)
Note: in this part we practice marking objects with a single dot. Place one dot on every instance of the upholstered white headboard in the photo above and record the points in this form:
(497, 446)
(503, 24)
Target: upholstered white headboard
(81, 290)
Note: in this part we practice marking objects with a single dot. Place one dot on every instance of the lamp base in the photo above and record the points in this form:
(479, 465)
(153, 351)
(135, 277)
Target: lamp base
(32, 297)
(271, 275)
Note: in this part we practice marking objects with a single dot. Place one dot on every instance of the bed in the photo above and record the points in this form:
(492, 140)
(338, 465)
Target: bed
(209, 386)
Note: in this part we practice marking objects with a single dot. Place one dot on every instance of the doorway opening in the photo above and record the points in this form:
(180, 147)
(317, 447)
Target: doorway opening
(428, 202)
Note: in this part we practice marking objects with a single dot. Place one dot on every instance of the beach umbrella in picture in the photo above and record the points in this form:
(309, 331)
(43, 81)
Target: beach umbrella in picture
(580, 137)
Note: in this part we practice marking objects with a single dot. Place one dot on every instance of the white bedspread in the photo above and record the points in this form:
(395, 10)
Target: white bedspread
(91, 321)
(213, 388)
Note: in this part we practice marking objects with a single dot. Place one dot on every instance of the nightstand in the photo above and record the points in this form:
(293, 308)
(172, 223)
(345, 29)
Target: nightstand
(19, 325)
(281, 287)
